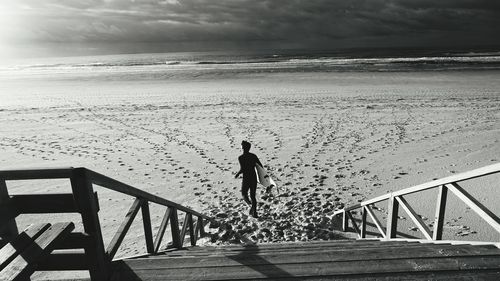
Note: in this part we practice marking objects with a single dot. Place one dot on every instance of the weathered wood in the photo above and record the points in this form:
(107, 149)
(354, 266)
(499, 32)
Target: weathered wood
(146, 221)
(476, 206)
(185, 225)
(117, 239)
(44, 203)
(326, 270)
(354, 225)
(63, 261)
(24, 264)
(201, 226)
(192, 236)
(392, 218)
(161, 230)
(415, 217)
(375, 220)
(31, 174)
(8, 228)
(440, 211)
(99, 263)
(174, 226)
(20, 243)
(132, 191)
(345, 221)
(313, 255)
(363, 222)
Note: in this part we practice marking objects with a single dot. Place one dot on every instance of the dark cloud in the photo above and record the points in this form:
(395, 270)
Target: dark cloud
(299, 23)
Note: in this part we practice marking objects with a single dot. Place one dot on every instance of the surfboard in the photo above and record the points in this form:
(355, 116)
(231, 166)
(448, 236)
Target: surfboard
(264, 178)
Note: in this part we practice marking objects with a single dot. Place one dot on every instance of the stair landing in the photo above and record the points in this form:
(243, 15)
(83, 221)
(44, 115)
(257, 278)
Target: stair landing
(326, 260)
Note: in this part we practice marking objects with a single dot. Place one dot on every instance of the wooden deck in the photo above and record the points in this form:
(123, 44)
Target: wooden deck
(338, 260)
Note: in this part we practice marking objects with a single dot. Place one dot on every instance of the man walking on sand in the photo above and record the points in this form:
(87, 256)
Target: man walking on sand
(247, 168)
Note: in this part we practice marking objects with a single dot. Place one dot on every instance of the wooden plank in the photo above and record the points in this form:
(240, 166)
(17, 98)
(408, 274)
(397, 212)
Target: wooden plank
(392, 218)
(8, 229)
(117, 239)
(35, 173)
(192, 237)
(325, 269)
(201, 226)
(132, 191)
(440, 212)
(174, 227)
(161, 230)
(354, 225)
(345, 221)
(85, 200)
(305, 257)
(363, 223)
(146, 221)
(24, 264)
(20, 243)
(415, 217)
(375, 220)
(63, 261)
(44, 203)
(185, 225)
(476, 206)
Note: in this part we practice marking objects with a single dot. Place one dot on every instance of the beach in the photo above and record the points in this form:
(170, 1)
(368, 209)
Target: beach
(329, 139)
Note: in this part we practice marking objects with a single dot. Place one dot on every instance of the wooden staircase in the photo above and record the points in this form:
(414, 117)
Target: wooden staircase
(326, 260)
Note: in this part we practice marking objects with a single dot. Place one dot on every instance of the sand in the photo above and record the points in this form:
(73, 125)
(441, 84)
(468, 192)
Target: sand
(329, 140)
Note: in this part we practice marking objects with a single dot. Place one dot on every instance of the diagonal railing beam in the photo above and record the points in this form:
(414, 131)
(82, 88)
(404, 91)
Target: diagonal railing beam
(375, 220)
(476, 206)
(115, 243)
(415, 217)
(161, 230)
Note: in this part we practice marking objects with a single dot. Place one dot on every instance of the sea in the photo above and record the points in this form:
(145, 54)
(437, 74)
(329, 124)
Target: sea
(25, 80)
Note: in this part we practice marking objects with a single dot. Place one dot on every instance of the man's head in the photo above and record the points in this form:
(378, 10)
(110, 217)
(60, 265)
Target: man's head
(246, 146)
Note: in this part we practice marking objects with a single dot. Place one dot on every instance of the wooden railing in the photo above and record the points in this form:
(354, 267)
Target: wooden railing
(396, 200)
(96, 257)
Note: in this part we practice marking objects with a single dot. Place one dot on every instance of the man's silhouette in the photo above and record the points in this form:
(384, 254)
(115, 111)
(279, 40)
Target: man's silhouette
(247, 168)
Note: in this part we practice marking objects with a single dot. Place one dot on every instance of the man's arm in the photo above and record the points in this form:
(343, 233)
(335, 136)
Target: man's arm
(240, 171)
(258, 161)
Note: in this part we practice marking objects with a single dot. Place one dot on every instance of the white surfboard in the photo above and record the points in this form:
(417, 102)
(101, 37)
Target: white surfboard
(264, 178)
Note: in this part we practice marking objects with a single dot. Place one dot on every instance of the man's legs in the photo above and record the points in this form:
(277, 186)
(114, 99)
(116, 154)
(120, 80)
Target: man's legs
(244, 192)
(253, 210)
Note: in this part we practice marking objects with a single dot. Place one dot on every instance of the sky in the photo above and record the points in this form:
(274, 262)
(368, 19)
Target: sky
(87, 27)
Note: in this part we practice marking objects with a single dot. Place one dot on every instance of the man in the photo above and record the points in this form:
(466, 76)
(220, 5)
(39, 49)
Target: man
(247, 168)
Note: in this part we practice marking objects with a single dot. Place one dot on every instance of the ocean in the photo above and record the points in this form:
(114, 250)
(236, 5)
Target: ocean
(35, 82)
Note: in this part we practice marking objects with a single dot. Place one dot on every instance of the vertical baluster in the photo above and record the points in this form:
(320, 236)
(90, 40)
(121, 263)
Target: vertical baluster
(146, 220)
(363, 222)
(99, 263)
(10, 230)
(174, 226)
(440, 210)
(345, 221)
(392, 218)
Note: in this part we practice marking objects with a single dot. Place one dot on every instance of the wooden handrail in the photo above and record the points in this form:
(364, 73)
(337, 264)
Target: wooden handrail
(84, 201)
(396, 199)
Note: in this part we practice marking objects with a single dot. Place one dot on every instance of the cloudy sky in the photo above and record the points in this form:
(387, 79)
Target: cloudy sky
(76, 27)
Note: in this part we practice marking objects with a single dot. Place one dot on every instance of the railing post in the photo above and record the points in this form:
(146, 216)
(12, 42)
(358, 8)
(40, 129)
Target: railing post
(392, 218)
(9, 230)
(174, 226)
(345, 221)
(440, 210)
(83, 194)
(146, 220)
(363, 222)
(200, 226)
